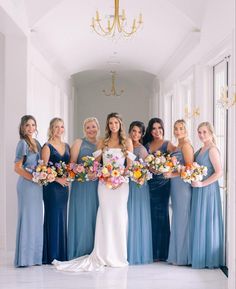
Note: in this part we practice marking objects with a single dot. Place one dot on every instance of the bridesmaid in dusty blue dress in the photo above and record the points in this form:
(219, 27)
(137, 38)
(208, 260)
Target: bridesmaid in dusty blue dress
(206, 212)
(29, 236)
(159, 191)
(83, 202)
(180, 200)
(55, 196)
(140, 228)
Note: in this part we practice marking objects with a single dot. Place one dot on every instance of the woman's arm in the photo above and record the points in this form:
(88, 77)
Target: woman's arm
(21, 171)
(98, 153)
(130, 148)
(215, 160)
(170, 147)
(74, 150)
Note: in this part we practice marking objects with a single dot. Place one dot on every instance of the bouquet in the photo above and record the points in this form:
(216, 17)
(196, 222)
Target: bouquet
(42, 174)
(91, 166)
(139, 173)
(76, 172)
(112, 174)
(193, 173)
(62, 170)
(162, 162)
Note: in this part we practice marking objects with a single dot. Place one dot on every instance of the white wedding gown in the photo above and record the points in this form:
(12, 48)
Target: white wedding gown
(110, 245)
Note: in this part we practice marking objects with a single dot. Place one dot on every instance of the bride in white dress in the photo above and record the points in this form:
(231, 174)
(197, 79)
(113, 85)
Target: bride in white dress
(110, 245)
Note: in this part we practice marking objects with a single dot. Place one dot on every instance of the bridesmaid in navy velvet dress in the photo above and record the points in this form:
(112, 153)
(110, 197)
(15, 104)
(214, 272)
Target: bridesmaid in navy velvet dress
(159, 191)
(55, 196)
(29, 236)
(140, 228)
(83, 203)
(206, 212)
(181, 200)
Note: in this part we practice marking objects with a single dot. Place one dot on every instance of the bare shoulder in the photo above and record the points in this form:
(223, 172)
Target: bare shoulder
(187, 146)
(213, 151)
(128, 141)
(100, 143)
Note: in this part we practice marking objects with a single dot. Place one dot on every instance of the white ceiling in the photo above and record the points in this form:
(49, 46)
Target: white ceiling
(61, 31)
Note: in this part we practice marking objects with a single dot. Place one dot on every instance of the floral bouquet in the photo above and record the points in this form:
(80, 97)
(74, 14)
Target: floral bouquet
(42, 174)
(193, 173)
(91, 166)
(162, 162)
(112, 174)
(139, 173)
(77, 172)
(62, 170)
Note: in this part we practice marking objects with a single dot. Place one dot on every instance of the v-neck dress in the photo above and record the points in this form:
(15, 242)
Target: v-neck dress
(55, 198)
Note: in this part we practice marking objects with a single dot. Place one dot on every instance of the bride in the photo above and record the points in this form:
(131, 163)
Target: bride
(110, 245)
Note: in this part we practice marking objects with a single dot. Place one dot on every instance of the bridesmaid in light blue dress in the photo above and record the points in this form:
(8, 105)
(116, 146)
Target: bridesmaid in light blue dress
(140, 228)
(29, 236)
(83, 203)
(181, 201)
(206, 212)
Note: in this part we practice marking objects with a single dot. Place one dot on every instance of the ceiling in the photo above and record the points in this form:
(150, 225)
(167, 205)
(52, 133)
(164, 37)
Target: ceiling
(61, 31)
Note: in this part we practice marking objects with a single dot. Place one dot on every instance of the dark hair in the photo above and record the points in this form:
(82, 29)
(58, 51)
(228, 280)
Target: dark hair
(148, 135)
(140, 125)
(23, 121)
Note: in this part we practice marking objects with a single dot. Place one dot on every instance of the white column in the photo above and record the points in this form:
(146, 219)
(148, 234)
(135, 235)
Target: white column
(155, 102)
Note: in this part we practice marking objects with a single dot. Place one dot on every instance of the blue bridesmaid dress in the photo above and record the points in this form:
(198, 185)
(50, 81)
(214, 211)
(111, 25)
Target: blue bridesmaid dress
(180, 230)
(55, 198)
(139, 229)
(159, 199)
(29, 235)
(83, 205)
(206, 221)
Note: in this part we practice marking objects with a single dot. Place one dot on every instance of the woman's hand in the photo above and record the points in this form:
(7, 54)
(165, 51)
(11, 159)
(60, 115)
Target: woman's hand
(63, 182)
(197, 184)
(92, 176)
(168, 175)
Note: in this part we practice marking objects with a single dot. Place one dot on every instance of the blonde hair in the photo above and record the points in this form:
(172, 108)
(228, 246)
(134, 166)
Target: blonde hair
(52, 126)
(121, 133)
(184, 124)
(91, 119)
(210, 128)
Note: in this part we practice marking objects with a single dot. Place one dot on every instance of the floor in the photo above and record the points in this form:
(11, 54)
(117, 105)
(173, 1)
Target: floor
(153, 276)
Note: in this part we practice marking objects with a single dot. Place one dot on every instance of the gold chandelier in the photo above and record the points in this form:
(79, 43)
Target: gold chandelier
(113, 91)
(115, 23)
(191, 114)
(226, 101)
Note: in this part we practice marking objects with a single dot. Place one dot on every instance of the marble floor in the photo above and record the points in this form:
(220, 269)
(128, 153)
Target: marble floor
(153, 276)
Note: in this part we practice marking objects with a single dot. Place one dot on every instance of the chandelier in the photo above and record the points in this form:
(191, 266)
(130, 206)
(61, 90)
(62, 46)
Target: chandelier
(225, 101)
(113, 91)
(115, 23)
(194, 114)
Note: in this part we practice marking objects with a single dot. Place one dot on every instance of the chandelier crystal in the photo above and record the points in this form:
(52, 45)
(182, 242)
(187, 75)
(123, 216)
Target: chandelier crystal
(115, 23)
(113, 91)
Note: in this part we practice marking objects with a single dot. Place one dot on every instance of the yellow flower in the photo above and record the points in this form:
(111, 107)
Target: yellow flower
(105, 171)
(137, 174)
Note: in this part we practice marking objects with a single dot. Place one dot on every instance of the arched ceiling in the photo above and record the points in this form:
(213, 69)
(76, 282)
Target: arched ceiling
(61, 31)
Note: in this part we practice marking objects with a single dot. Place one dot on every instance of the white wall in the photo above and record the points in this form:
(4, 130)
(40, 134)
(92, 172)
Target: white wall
(2, 170)
(133, 104)
(49, 94)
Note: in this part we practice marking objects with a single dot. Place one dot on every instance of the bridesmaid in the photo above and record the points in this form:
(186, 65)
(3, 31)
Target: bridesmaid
(29, 236)
(180, 200)
(55, 196)
(83, 202)
(159, 191)
(140, 229)
(206, 212)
